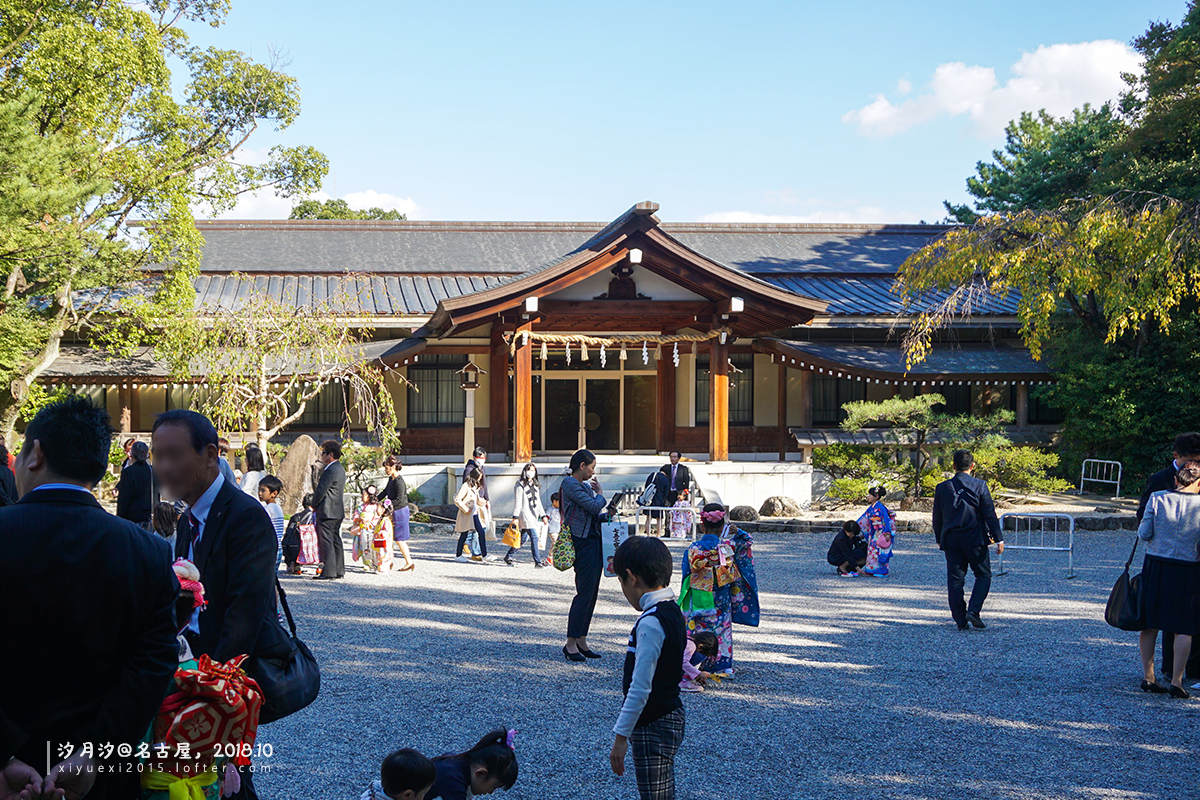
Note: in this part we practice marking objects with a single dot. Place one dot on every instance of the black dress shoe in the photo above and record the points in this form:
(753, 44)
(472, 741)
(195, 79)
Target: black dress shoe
(588, 653)
(962, 626)
(575, 658)
(974, 619)
(1153, 688)
(1182, 694)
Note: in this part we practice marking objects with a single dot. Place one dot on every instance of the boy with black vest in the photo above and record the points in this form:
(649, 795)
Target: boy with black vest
(652, 716)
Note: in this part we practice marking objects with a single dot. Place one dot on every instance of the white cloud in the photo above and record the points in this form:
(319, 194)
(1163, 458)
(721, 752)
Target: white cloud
(903, 86)
(860, 214)
(373, 199)
(1057, 77)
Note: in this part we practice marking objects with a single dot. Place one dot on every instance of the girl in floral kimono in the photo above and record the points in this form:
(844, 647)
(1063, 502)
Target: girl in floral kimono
(879, 528)
(372, 530)
(720, 586)
(682, 524)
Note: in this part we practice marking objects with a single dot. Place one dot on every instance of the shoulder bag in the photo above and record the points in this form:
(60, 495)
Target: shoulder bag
(290, 683)
(1124, 609)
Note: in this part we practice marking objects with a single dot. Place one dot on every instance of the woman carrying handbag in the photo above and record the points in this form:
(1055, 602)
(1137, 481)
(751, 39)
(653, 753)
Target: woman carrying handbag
(1169, 590)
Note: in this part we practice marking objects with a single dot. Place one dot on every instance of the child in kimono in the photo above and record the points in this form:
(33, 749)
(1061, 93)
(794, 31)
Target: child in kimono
(682, 523)
(372, 528)
(702, 647)
(404, 775)
(848, 551)
(720, 585)
(880, 530)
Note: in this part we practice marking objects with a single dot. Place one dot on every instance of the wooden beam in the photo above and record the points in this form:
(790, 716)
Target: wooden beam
(523, 405)
(665, 438)
(781, 409)
(718, 405)
(498, 392)
(627, 308)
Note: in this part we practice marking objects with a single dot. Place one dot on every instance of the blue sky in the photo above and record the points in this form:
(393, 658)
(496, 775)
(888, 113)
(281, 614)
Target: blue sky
(847, 111)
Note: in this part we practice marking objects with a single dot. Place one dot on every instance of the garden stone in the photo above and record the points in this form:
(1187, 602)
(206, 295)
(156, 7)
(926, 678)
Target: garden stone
(295, 472)
(780, 506)
(743, 514)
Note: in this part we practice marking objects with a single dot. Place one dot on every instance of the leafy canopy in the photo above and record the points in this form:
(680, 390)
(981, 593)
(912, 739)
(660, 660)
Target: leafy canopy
(340, 209)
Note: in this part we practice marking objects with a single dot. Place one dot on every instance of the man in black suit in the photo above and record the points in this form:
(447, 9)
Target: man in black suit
(88, 609)
(227, 534)
(964, 525)
(1186, 450)
(135, 489)
(330, 510)
(679, 477)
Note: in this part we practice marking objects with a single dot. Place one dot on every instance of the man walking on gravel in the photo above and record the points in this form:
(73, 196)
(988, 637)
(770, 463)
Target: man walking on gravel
(965, 524)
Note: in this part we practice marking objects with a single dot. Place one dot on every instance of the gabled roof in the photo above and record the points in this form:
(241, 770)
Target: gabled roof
(767, 307)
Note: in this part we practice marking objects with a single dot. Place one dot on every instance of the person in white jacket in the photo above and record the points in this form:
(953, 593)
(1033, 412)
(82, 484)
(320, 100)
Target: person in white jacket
(529, 515)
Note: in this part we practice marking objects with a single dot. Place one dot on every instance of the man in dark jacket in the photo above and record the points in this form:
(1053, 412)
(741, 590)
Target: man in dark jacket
(965, 524)
(679, 477)
(478, 460)
(1185, 451)
(227, 534)
(329, 506)
(88, 609)
(135, 489)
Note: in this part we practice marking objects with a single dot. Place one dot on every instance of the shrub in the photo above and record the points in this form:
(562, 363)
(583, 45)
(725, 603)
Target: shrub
(415, 496)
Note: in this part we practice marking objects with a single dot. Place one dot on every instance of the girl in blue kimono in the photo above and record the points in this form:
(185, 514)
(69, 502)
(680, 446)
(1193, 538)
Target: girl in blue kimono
(720, 586)
(879, 528)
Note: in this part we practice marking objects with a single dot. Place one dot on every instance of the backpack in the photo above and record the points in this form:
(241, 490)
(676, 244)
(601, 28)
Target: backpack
(647, 496)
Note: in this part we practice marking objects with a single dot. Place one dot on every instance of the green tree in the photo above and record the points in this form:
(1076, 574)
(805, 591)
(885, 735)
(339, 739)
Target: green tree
(909, 422)
(94, 135)
(1045, 162)
(264, 361)
(340, 209)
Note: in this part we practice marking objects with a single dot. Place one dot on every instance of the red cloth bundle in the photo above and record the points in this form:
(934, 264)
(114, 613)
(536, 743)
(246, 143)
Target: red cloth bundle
(214, 713)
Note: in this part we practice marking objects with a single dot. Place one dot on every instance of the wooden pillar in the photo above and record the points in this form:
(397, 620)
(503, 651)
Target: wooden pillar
(135, 409)
(665, 440)
(718, 403)
(1022, 404)
(498, 397)
(125, 398)
(782, 412)
(523, 406)
(806, 398)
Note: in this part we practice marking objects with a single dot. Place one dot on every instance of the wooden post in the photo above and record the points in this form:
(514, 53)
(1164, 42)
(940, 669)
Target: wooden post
(498, 395)
(523, 407)
(718, 404)
(782, 412)
(125, 399)
(135, 409)
(665, 440)
(806, 398)
(1022, 405)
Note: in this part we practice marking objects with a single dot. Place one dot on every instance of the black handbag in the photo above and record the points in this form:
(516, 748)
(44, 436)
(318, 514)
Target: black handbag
(289, 683)
(1124, 609)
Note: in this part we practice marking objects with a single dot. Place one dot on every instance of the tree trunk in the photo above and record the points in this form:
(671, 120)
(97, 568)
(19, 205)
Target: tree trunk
(13, 395)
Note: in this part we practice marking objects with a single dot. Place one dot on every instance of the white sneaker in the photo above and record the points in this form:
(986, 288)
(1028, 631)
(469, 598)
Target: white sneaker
(463, 560)
(491, 559)
(690, 686)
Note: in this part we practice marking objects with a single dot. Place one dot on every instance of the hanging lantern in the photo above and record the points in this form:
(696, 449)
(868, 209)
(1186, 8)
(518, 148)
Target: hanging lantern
(624, 355)
(603, 357)
(583, 353)
(675, 354)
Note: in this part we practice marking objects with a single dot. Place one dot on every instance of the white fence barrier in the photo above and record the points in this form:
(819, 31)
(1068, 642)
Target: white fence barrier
(1040, 531)
(1095, 470)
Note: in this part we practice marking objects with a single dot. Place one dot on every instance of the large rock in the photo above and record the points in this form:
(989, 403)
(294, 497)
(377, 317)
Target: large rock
(296, 473)
(781, 507)
(743, 514)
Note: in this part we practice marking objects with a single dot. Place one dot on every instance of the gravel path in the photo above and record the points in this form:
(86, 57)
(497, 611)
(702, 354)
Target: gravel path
(850, 688)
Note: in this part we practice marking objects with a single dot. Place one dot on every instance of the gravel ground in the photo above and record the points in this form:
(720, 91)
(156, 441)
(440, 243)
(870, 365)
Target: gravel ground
(850, 688)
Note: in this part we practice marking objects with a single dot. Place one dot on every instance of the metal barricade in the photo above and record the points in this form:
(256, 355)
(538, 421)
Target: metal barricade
(1042, 531)
(1096, 470)
(644, 511)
